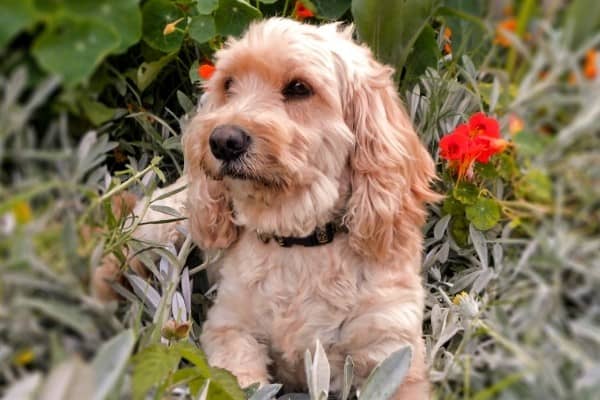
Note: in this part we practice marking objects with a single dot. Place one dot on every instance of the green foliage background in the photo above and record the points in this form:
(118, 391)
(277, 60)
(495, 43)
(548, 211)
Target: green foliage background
(93, 97)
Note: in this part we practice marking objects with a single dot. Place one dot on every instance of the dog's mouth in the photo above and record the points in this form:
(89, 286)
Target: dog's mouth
(240, 170)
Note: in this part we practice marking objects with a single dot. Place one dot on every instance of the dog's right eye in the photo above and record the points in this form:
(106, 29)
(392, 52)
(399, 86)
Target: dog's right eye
(296, 89)
(227, 84)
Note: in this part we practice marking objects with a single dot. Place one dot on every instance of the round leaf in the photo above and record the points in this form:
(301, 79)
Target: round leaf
(15, 15)
(331, 9)
(123, 16)
(484, 214)
(156, 15)
(466, 193)
(234, 16)
(72, 48)
(206, 7)
(202, 28)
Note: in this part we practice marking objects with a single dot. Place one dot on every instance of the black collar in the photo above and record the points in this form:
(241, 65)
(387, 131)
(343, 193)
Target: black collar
(320, 236)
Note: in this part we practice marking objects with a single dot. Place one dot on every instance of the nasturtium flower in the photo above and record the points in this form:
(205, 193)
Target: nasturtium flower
(476, 141)
(590, 67)
(447, 41)
(206, 70)
(508, 24)
(171, 27)
(301, 12)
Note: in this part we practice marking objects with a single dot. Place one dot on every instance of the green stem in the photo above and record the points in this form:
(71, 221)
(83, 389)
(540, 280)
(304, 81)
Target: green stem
(525, 14)
(285, 8)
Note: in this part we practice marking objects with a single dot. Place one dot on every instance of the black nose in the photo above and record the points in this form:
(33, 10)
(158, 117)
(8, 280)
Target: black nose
(228, 142)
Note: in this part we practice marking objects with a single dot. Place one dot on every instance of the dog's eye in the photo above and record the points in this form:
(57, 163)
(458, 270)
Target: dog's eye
(296, 89)
(227, 84)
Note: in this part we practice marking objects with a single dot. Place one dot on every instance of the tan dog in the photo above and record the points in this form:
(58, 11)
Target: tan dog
(302, 129)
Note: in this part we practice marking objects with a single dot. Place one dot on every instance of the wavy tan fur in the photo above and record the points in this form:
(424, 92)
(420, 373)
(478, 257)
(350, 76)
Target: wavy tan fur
(349, 151)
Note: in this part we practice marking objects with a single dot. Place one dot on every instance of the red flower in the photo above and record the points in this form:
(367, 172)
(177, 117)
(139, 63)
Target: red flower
(477, 141)
(205, 71)
(301, 12)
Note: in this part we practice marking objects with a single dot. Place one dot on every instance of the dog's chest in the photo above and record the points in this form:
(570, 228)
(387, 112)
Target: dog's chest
(297, 294)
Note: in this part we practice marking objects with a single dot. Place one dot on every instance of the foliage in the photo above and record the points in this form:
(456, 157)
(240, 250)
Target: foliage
(93, 96)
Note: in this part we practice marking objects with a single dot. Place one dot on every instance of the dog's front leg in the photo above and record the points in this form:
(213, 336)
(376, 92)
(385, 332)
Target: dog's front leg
(229, 343)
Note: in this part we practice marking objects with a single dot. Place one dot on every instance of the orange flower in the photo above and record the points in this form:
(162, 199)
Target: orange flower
(590, 67)
(508, 24)
(206, 70)
(170, 28)
(447, 41)
(515, 124)
(477, 141)
(301, 12)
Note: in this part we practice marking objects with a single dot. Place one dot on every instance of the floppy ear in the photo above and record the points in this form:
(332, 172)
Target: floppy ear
(391, 169)
(210, 215)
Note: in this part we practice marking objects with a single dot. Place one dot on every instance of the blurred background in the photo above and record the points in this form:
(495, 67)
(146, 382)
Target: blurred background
(93, 98)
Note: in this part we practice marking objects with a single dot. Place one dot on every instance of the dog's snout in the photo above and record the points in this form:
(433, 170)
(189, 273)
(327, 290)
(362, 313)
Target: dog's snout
(228, 142)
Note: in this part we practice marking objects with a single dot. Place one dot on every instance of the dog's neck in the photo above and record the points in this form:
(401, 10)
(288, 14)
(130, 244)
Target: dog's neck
(292, 213)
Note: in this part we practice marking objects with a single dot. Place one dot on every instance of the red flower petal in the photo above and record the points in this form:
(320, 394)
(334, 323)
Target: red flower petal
(480, 124)
(301, 12)
(454, 146)
(205, 71)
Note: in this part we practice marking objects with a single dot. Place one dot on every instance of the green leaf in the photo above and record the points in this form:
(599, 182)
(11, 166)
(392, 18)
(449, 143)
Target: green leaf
(530, 143)
(466, 192)
(223, 385)
(15, 15)
(148, 71)
(193, 72)
(507, 167)
(331, 9)
(391, 27)
(484, 214)
(459, 228)
(69, 316)
(233, 17)
(581, 21)
(206, 7)
(151, 367)
(202, 28)
(536, 186)
(72, 48)
(387, 377)
(96, 112)
(123, 16)
(425, 56)
(452, 206)
(110, 362)
(487, 170)
(156, 15)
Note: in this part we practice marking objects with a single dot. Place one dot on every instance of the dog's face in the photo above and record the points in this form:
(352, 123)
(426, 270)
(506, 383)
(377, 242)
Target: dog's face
(274, 121)
(300, 124)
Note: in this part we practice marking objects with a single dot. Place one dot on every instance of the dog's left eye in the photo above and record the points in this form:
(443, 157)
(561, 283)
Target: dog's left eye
(296, 89)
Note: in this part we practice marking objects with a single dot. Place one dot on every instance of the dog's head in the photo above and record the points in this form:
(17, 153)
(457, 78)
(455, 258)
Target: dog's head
(302, 125)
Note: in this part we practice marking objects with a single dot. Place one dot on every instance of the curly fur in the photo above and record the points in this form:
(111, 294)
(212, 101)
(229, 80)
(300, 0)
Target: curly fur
(349, 152)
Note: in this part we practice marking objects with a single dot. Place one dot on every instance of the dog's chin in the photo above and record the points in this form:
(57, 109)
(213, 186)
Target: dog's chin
(239, 171)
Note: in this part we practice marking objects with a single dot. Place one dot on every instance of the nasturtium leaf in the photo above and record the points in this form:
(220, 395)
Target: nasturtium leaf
(486, 171)
(156, 15)
(507, 167)
(466, 192)
(123, 16)
(233, 16)
(206, 7)
(148, 71)
(151, 367)
(427, 55)
(95, 111)
(484, 214)
(72, 48)
(536, 186)
(202, 28)
(331, 9)
(391, 27)
(15, 15)
(530, 143)
(459, 228)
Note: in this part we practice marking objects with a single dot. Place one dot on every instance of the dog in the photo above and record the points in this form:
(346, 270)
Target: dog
(304, 168)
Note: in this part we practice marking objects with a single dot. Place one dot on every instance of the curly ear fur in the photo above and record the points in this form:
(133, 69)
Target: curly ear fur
(391, 169)
(209, 205)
